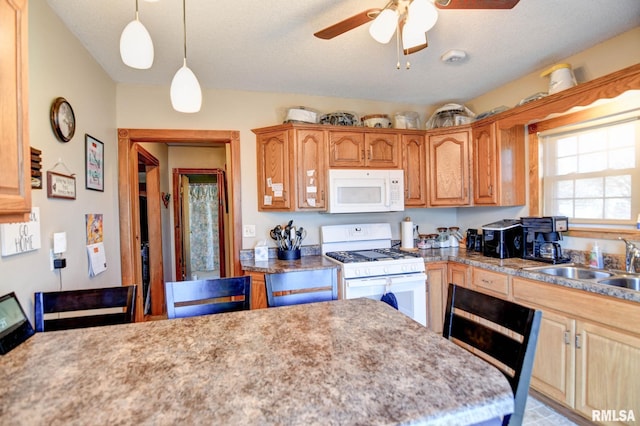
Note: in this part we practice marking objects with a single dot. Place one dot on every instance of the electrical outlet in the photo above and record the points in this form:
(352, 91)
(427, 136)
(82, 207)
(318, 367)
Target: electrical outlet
(249, 231)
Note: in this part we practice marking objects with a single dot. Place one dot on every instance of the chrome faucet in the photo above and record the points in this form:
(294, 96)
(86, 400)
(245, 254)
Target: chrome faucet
(631, 254)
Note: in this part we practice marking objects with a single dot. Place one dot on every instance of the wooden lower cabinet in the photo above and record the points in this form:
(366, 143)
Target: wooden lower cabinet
(458, 274)
(607, 371)
(258, 290)
(490, 282)
(554, 367)
(436, 294)
(585, 365)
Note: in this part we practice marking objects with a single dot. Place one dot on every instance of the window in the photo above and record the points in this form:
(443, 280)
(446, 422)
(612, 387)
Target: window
(590, 170)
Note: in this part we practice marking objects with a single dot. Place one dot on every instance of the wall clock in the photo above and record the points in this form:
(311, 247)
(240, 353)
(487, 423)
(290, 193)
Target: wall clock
(63, 121)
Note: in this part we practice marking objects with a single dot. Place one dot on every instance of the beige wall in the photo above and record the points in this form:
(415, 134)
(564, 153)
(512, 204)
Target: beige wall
(60, 66)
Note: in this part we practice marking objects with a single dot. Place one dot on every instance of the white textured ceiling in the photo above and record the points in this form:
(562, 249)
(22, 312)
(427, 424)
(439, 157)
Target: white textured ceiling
(268, 45)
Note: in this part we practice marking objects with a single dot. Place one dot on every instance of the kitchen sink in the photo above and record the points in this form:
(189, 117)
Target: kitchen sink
(632, 282)
(573, 272)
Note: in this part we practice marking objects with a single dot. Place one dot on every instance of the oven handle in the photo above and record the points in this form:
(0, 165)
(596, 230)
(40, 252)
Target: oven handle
(384, 280)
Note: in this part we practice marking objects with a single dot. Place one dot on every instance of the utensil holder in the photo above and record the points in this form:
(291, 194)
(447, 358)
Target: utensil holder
(288, 254)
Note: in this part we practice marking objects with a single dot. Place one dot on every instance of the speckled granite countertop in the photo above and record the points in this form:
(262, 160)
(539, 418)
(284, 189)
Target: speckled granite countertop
(513, 266)
(344, 362)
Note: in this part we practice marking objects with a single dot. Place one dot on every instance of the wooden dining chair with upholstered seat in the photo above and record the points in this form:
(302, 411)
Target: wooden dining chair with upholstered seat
(205, 297)
(101, 305)
(502, 333)
(298, 287)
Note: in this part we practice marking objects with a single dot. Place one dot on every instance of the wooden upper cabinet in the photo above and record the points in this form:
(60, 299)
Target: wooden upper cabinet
(382, 150)
(346, 149)
(414, 164)
(15, 162)
(274, 170)
(498, 165)
(292, 172)
(449, 167)
(354, 149)
(311, 170)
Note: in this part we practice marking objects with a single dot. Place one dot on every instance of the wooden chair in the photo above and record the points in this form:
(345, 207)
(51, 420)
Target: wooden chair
(515, 349)
(294, 288)
(85, 300)
(204, 297)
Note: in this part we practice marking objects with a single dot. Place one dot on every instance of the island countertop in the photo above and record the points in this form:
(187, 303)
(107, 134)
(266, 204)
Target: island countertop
(355, 361)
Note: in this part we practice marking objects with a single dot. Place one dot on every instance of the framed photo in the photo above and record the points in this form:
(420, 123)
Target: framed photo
(94, 163)
(61, 186)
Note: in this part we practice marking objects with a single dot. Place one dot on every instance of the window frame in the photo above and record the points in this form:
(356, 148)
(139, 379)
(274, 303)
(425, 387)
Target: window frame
(606, 109)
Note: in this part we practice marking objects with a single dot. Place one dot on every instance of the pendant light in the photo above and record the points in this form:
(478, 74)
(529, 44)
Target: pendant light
(136, 47)
(413, 17)
(186, 95)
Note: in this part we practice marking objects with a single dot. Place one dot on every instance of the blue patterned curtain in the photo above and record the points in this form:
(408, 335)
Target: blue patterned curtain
(203, 217)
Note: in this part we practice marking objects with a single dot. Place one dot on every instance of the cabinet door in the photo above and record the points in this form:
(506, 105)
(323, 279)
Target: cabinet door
(346, 149)
(485, 165)
(436, 295)
(607, 371)
(274, 179)
(414, 160)
(449, 169)
(310, 172)
(382, 150)
(554, 368)
(258, 290)
(459, 274)
(15, 175)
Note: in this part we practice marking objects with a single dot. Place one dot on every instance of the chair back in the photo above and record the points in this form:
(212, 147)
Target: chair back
(204, 297)
(500, 332)
(298, 287)
(94, 299)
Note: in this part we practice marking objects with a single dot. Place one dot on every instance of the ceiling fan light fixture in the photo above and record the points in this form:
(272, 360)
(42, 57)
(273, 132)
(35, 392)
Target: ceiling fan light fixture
(412, 35)
(384, 26)
(136, 46)
(424, 13)
(186, 94)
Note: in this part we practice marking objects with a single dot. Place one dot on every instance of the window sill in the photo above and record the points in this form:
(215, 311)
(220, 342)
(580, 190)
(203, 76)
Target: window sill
(604, 233)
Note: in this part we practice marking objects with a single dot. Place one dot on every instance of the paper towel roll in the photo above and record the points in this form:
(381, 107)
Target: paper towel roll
(407, 234)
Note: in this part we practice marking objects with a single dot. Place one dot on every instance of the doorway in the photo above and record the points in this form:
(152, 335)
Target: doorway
(130, 235)
(200, 213)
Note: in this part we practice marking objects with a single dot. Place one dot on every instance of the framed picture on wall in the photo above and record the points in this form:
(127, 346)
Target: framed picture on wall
(94, 163)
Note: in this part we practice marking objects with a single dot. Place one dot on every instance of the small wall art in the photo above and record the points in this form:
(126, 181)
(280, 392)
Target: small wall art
(94, 163)
(61, 186)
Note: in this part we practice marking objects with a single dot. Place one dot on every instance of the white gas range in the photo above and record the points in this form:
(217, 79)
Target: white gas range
(370, 267)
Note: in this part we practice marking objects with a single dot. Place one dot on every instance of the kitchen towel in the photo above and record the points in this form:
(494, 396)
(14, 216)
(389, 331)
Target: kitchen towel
(390, 299)
(407, 233)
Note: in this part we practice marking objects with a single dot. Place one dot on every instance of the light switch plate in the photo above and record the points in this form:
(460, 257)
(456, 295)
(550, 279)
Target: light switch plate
(249, 231)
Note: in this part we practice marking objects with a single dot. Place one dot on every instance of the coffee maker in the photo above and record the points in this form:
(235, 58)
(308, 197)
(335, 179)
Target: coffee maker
(541, 236)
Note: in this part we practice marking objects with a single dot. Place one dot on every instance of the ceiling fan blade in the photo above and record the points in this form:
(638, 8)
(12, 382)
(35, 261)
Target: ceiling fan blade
(476, 4)
(347, 24)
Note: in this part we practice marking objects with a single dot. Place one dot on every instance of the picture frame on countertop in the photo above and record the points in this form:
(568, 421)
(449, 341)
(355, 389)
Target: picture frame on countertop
(61, 186)
(94, 163)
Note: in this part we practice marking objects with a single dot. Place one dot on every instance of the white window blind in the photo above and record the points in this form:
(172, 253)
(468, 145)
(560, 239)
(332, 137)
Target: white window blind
(590, 171)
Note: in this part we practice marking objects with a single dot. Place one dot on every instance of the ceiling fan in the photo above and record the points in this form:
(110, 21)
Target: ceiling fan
(411, 18)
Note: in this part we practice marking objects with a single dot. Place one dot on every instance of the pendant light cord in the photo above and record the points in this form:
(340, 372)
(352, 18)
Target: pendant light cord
(184, 27)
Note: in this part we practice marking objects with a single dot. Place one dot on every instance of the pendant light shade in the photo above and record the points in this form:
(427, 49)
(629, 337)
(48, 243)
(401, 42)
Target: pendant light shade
(412, 35)
(136, 46)
(186, 95)
(413, 17)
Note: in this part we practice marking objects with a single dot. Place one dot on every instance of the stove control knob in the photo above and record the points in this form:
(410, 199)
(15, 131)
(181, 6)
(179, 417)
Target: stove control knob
(367, 271)
(386, 270)
(356, 272)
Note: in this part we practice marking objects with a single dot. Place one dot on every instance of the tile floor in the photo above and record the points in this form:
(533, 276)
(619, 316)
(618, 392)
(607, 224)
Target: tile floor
(539, 414)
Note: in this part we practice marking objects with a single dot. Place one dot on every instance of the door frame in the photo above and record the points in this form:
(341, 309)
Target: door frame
(178, 225)
(130, 257)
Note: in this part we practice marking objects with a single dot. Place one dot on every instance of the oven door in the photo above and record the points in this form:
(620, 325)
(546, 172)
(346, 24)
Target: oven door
(409, 289)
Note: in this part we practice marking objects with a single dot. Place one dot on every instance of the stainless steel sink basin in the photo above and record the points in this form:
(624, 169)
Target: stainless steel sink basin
(626, 281)
(573, 272)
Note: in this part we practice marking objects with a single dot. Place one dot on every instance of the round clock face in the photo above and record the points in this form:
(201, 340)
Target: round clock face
(63, 121)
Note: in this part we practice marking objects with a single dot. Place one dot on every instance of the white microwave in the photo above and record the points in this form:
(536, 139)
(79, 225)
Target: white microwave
(365, 191)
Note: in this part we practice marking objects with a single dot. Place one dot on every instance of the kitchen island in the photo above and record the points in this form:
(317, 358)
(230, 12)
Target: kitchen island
(344, 362)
